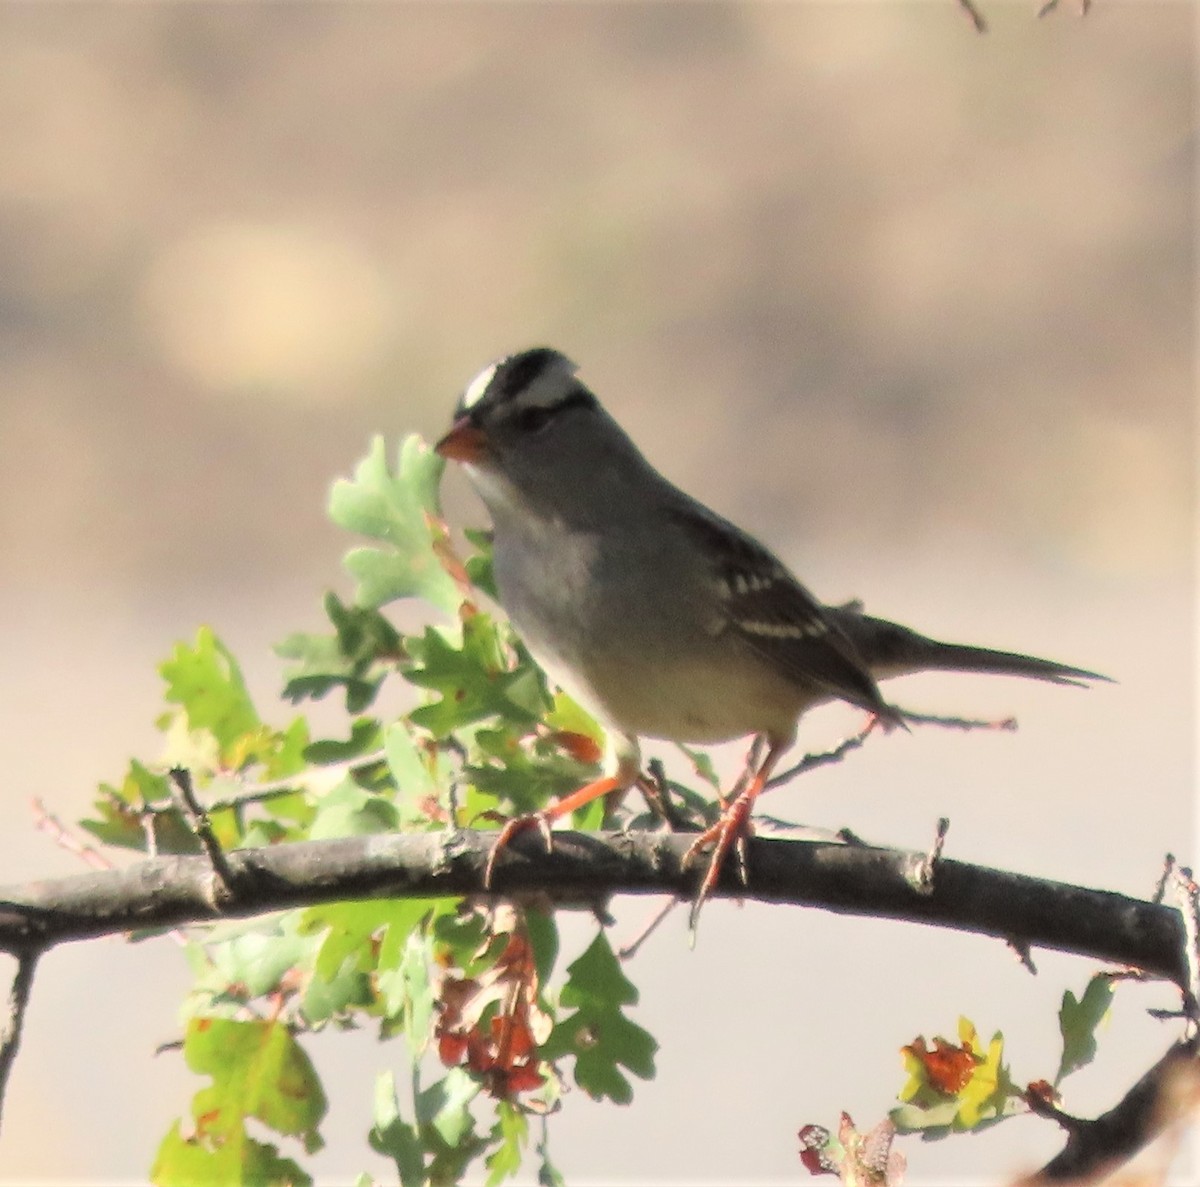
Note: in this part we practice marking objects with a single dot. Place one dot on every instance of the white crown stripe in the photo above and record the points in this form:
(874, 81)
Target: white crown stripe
(478, 386)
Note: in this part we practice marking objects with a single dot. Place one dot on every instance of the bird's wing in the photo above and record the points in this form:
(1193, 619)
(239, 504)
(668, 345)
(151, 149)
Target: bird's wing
(768, 609)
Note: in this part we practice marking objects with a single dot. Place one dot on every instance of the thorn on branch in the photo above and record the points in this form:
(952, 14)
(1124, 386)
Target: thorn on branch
(194, 813)
(1024, 954)
(14, 1019)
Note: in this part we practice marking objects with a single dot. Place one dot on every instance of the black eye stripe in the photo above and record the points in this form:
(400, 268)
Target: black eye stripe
(530, 420)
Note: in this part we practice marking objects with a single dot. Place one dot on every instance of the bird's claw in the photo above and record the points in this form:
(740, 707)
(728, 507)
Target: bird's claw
(518, 824)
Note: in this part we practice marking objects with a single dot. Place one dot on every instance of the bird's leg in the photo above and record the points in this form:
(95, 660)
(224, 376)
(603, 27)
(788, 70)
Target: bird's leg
(627, 772)
(753, 755)
(734, 825)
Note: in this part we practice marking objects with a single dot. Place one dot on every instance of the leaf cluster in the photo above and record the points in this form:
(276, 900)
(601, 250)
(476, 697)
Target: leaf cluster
(494, 1037)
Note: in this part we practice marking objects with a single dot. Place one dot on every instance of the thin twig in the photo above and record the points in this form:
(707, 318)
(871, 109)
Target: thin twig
(653, 786)
(1007, 724)
(1050, 5)
(924, 867)
(191, 810)
(630, 950)
(14, 1021)
(974, 15)
(1187, 895)
(821, 758)
(45, 821)
(272, 789)
(1163, 878)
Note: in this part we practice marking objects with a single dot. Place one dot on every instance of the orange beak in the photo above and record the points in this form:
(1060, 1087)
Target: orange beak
(463, 443)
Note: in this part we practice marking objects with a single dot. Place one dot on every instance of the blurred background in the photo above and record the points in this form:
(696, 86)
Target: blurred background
(914, 305)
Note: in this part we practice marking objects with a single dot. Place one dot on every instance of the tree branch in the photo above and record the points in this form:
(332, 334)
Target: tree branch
(1094, 1149)
(14, 1020)
(166, 892)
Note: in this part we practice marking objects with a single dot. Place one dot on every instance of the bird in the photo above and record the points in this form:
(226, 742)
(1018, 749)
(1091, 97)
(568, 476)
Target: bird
(659, 616)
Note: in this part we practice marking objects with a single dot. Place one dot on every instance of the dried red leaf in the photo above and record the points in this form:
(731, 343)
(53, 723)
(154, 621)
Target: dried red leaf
(581, 747)
(947, 1068)
(513, 1040)
(493, 1020)
(451, 1049)
(814, 1152)
(527, 1078)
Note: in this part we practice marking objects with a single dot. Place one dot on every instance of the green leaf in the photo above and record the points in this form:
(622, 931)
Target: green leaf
(255, 955)
(357, 657)
(505, 767)
(258, 1070)
(395, 507)
(1078, 1020)
(479, 563)
(462, 935)
(364, 739)
(542, 929)
(445, 1105)
(931, 1121)
(347, 810)
(408, 762)
(567, 714)
(991, 1094)
(598, 1034)
(702, 764)
(393, 1137)
(987, 1093)
(118, 814)
(548, 1173)
(595, 982)
(373, 931)
(509, 1136)
(418, 772)
(473, 679)
(206, 682)
(193, 1162)
(346, 991)
(402, 981)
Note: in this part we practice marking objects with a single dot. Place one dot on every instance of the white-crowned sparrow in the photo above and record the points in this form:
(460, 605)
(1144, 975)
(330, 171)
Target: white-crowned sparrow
(659, 616)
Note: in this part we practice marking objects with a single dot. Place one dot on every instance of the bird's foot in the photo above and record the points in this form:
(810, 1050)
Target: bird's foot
(518, 824)
(730, 832)
(543, 820)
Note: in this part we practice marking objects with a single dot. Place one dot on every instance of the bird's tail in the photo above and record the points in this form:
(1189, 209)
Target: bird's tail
(893, 650)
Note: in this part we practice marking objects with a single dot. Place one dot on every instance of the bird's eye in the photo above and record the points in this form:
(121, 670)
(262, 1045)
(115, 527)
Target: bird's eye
(532, 419)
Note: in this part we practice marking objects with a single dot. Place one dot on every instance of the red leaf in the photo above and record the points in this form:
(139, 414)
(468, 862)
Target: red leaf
(947, 1068)
(579, 746)
(814, 1150)
(451, 1049)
